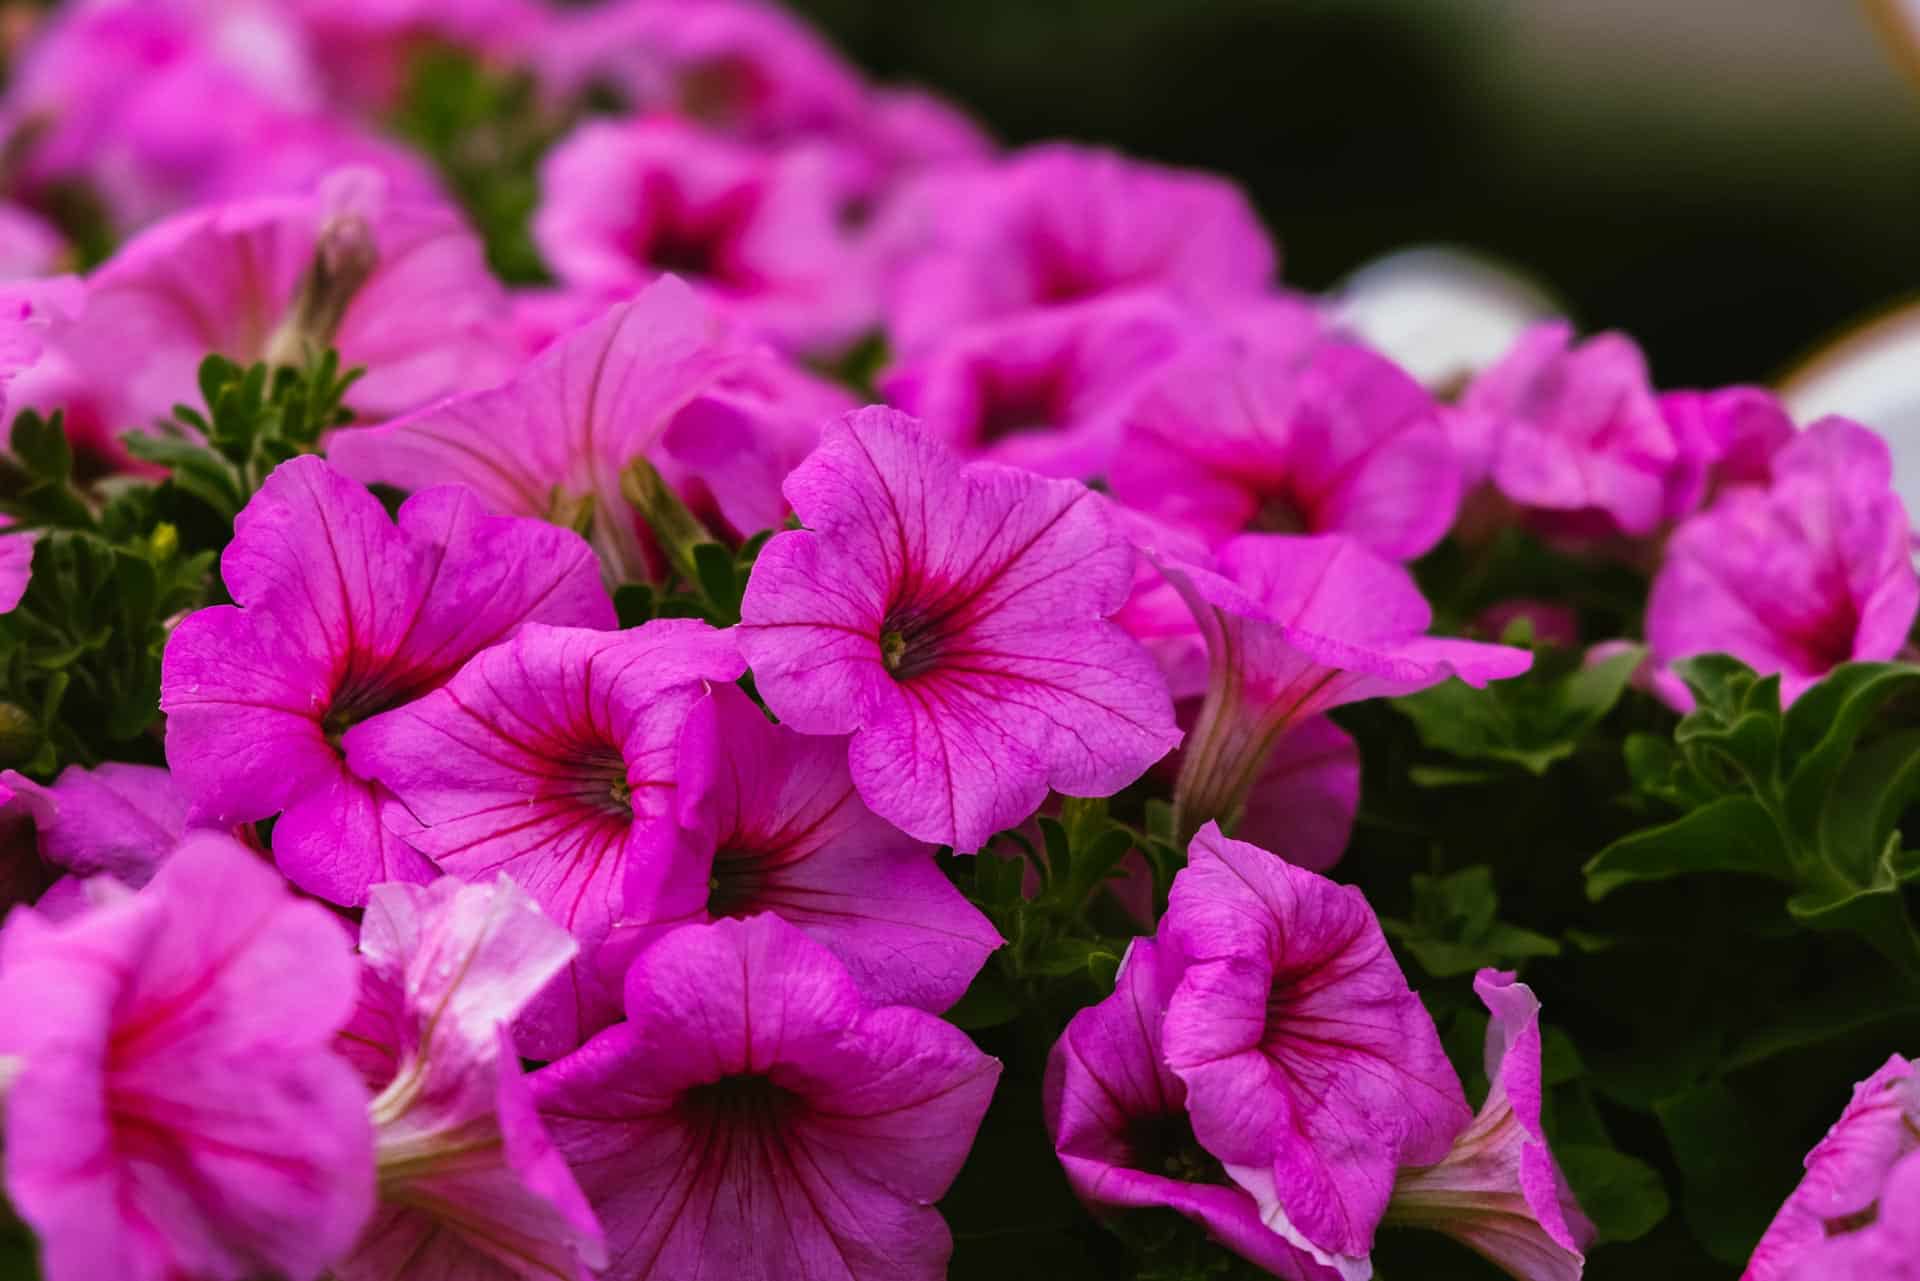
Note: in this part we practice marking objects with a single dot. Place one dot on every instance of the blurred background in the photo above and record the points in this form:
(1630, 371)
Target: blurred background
(1731, 181)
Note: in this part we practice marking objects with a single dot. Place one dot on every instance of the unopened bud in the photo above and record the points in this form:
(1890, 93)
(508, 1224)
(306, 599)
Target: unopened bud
(343, 257)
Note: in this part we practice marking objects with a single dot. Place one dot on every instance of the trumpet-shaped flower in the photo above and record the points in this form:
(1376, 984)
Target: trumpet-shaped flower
(1118, 1117)
(1046, 389)
(342, 614)
(178, 1109)
(1498, 1190)
(470, 1186)
(1812, 571)
(1312, 1071)
(1294, 626)
(1726, 437)
(1057, 224)
(1283, 429)
(1571, 428)
(553, 441)
(397, 285)
(772, 823)
(1888, 1249)
(1847, 1173)
(552, 758)
(952, 619)
(756, 1119)
(755, 229)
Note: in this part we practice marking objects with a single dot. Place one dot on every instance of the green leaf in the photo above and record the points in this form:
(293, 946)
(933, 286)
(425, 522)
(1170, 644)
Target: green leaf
(987, 1002)
(1732, 834)
(1530, 721)
(1730, 1182)
(1454, 929)
(1622, 1195)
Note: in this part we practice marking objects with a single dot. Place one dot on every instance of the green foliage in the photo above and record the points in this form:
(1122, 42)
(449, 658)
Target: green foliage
(485, 129)
(1454, 929)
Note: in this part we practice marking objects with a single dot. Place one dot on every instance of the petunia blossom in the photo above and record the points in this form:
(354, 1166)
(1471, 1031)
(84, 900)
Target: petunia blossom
(1847, 1172)
(341, 614)
(1118, 1118)
(1303, 802)
(115, 819)
(1888, 1249)
(1045, 389)
(552, 758)
(470, 1186)
(1055, 224)
(756, 1119)
(1812, 571)
(553, 441)
(1726, 437)
(16, 566)
(1572, 429)
(772, 823)
(952, 619)
(1284, 428)
(1498, 1190)
(1312, 1071)
(755, 229)
(397, 285)
(1295, 625)
(176, 1107)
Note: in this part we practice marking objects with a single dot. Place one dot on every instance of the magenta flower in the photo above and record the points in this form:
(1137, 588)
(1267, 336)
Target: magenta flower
(756, 1119)
(1498, 1190)
(1294, 626)
(553, 441)
(1726, 437)
(1847, 1173)
(177, 1109)
(470, 1185)
(1118, 1118)
(755, 229)
(1284, 429)
(341, 615)
(16, 565)
(551, 758)
(735, 66)
(406, 294)
(772, 824)
(1312, 1071)
(1572, 429)
(1056, 224)
(1303, 803)
(1046, 389)
(1813, 571)
(113, 820)
(1888, 1249)
(29, 245)
(952, 619)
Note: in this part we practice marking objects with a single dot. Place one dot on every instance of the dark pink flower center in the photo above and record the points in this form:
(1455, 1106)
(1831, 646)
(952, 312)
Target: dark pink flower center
(1165, 1145)
(1278, 513)
(911, 641)
(695, 243)
(1018, 407)
(746, 1102)
(739, 877)
(358, 695)
(596, 776)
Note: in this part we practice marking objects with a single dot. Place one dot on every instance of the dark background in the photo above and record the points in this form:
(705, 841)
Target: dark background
(1729, 180)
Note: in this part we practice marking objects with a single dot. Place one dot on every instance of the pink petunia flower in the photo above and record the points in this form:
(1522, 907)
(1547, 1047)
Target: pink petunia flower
(739, 67)
(757, 230)
(115, 819)
(771, 823)
(1312, 1071)
(397, 285)
(756, 1119)
(1295, 626)
(552, 758)
(1284, 428)
(1118, 1118)
(1303, 803)
(1725, 437)
(1045, 390)
(952, 619)
(1498, 1190)
(1055, 224)
(178, 1109)
(1847, 1173)
(343, 614)
(471, 1188)
(1812, 571)
(16, 566)
(1572, 429)
(29, 245)
(553, 441)
(1888, 1249)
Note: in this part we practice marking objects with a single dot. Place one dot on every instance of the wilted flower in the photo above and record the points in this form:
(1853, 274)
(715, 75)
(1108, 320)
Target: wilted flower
(952, 619)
